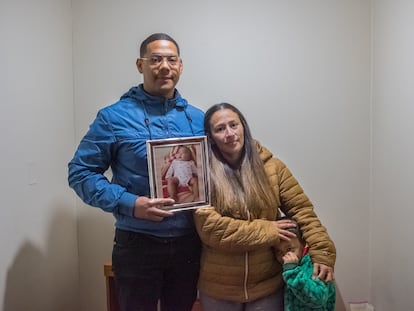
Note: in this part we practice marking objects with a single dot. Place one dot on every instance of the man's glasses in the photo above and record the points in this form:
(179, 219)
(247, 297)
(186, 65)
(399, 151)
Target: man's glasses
(156, 60)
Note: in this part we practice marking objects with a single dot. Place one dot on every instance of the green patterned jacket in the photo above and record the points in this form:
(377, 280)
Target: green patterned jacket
(304, 293)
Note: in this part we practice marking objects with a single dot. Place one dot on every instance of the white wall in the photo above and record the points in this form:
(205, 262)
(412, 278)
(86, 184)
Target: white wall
(393, 153)
(300, 70)
(38, 261)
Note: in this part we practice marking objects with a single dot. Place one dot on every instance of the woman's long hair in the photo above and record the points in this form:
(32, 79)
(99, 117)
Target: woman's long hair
(241, 192)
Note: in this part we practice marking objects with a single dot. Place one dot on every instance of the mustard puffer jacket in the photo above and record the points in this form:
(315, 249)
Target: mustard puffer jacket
(237, 261)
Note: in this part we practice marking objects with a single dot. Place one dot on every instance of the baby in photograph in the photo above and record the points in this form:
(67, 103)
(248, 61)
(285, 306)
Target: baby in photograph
(182, 173)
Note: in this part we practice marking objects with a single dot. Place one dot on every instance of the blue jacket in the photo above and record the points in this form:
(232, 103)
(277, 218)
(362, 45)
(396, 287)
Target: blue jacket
(117, 139)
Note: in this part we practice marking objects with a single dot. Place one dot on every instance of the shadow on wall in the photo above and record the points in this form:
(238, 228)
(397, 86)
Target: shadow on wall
(95, 240)
(45, 280)
(340, 305)
(25, 282)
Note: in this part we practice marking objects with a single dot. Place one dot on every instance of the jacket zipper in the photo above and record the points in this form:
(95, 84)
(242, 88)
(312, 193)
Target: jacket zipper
(246, 266)
(246, 273)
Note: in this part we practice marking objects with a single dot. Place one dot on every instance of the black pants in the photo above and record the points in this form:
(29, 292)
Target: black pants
(148, 269)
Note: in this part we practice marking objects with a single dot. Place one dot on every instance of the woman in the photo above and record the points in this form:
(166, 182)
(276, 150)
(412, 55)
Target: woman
(239, 232)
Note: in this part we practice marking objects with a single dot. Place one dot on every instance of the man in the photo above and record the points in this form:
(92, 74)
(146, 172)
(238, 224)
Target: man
(156, 252)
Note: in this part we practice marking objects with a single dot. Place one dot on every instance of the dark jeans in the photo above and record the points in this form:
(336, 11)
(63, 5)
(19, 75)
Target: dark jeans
(148, 269)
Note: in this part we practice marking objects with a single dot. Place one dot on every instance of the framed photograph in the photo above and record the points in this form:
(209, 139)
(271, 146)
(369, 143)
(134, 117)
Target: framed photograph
(179, 168)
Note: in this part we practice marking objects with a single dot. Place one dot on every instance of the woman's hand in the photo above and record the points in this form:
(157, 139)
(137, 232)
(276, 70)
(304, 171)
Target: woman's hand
(323, 272)
(281, 226)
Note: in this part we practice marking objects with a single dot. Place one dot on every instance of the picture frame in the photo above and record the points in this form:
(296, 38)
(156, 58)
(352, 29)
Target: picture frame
(179, 168)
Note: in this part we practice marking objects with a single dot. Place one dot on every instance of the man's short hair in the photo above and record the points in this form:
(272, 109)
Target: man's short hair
(155, 37)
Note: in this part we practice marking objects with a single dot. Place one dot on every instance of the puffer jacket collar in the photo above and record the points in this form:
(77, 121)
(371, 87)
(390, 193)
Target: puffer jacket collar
(264, 153)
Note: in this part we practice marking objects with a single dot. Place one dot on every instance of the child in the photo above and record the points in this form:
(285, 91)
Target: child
(182, 172)
(302, 292)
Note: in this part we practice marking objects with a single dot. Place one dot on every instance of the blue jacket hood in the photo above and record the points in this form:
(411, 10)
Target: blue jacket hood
(137, 93)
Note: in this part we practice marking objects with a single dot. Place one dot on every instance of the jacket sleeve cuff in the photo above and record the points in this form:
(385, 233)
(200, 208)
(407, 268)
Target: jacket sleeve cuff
(323, 257)
(289, 266)
(127, 203)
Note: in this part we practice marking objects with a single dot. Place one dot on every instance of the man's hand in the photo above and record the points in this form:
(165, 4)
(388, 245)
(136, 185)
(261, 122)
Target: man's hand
(151, 209)
(323, 272)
